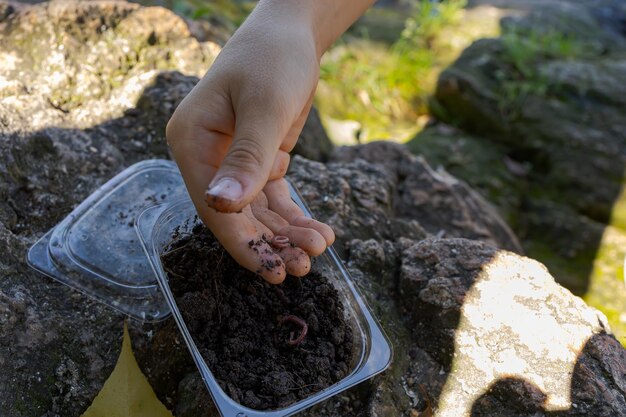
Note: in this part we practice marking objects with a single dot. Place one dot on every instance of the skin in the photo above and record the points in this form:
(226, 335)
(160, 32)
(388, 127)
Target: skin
(231, 136)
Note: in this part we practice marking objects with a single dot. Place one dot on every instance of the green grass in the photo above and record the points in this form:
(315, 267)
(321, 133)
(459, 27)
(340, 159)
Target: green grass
(381, 73)
(365, 82)
(524, 51)
(386, 87)
(607, 288)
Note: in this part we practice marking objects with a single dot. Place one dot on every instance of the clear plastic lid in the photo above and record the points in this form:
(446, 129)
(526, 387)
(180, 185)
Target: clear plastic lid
(96, 250)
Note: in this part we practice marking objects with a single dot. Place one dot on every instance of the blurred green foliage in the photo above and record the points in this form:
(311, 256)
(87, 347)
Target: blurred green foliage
(525, 50)
(228, 14)
(386, 87)
(426, 23)
(381, 73)
(233, 11)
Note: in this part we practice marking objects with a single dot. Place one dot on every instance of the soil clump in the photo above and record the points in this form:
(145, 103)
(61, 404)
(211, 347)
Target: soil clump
(267, 345)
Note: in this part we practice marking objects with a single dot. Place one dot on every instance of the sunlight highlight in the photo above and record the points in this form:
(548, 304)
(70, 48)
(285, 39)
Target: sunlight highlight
(508, 330)
(607, 281)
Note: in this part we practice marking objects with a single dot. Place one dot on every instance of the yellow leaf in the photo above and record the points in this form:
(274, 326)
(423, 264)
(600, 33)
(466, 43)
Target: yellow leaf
(126, 393)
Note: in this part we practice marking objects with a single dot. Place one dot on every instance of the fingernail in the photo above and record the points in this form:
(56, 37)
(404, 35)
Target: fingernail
(226, 188)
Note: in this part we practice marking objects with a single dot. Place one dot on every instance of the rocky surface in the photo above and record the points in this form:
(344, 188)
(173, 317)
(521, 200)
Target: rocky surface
(453, 309)
(541, 110)
(451, 306)
(71, 75)
(86, 89)
(506, 316)
(444, 205)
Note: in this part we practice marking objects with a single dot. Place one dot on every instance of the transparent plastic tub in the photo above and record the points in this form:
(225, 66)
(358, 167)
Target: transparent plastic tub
(372, 349)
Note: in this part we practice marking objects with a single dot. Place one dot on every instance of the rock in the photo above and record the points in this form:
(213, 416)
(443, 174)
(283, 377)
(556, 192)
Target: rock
(562, 117)
(479, 161)
(58, 347)
(194, 400)
(78, 64)
(313, 143)
(541, 113)
(514, 396)
(453, 309)
(566, 240)
(84, 92)
(91, 59)
(476, 295)
(354, 199)
(441, 203)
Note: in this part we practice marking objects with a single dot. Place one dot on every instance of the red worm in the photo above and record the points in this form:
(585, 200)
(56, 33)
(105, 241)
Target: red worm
(298, 321)
(280, 242)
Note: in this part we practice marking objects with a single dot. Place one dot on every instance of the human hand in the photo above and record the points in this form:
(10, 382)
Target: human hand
(231, 136)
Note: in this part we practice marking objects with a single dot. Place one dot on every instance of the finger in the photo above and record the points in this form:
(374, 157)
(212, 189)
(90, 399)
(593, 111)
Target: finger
(297, 262)
(236, 230)
(280, 202)
(261, 124)
(247, 243)
(308, 239)
(210, 148)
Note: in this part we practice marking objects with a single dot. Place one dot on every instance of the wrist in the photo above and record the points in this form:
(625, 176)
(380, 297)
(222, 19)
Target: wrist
(323, 20)
(292, 18)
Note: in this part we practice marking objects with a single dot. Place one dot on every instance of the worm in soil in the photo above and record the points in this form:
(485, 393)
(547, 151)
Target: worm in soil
(299, 322)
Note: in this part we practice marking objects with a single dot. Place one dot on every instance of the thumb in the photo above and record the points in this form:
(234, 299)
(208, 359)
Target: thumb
(246, 167)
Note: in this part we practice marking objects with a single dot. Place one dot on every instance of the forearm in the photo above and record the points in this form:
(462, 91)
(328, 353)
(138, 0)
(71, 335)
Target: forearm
(325, 19)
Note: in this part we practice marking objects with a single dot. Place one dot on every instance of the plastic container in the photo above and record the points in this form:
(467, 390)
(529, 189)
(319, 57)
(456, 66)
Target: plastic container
(96, 250)
(372, 349)
(108, 247)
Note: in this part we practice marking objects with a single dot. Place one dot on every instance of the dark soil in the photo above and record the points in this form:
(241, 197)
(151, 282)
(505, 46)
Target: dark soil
(250, 332)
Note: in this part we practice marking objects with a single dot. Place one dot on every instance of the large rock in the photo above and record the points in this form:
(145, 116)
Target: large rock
(77, 64)
(550, 90)
(82, 63)
(507, 331)
(544, 137)
(481, 332)
(441, 203)
(71, 75)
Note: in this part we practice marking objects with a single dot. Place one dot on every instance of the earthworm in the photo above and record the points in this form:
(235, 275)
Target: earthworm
(298, 321)
(280, 242)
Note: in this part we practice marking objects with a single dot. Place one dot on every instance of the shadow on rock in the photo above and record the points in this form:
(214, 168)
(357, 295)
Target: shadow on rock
(518, 397)
(460, 313)
(512, 320)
